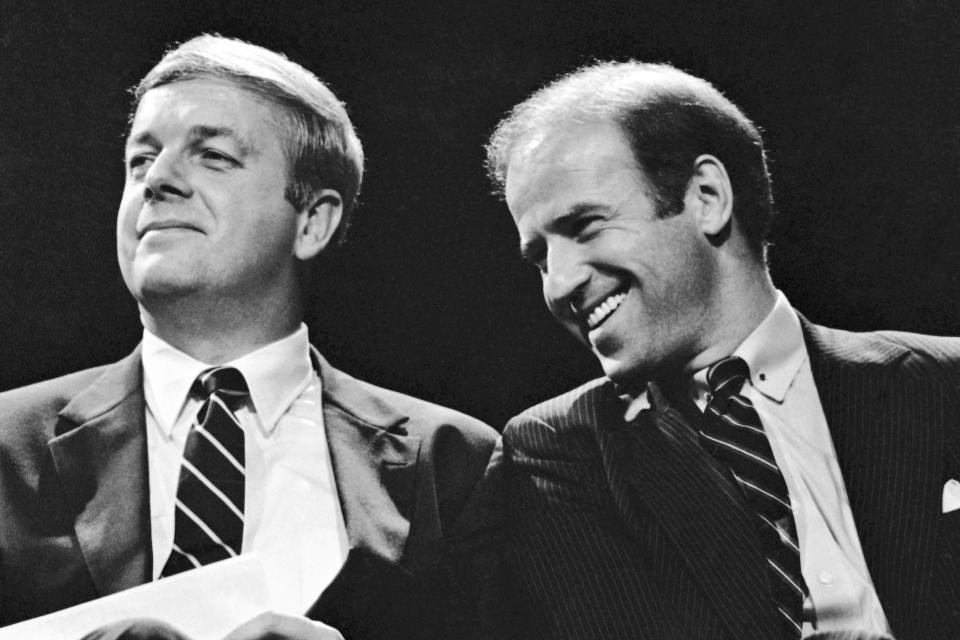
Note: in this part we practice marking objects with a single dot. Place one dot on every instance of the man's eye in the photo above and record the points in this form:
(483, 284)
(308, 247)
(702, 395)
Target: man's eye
(539, 260)
(138, 164)
(582, 224)
(535, 256)
(217, 158)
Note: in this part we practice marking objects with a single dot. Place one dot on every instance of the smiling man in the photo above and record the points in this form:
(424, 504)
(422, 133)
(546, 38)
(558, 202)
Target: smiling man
(739, 472)
(225, 433)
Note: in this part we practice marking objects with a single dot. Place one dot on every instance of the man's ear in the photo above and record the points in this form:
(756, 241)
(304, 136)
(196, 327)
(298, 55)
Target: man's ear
(711, 194)
(317, 222)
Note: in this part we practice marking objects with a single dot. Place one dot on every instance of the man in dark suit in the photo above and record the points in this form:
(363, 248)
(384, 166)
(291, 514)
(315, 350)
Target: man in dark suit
(739, 472)
(375, 513)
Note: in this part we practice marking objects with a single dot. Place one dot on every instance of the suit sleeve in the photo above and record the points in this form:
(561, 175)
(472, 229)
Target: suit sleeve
(561, 537)
(473, 562)
(574, 569)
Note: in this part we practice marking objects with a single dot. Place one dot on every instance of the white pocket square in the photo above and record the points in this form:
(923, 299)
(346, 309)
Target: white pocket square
(951, 496)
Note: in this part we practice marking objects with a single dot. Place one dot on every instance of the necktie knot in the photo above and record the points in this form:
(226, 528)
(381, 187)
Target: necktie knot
(726, 377)
(227, 382)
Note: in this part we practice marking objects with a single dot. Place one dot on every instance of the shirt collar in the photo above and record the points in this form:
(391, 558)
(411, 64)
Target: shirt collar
(636, 405)
(774, 351)
(276, 374)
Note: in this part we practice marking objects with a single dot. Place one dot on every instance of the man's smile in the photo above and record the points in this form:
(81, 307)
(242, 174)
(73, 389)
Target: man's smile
(605, 309)
(166, 225)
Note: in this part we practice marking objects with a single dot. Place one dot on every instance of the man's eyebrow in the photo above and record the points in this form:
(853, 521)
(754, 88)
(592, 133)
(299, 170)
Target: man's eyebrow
(531, 249)
(143, 138)
(197, 133)
(202, 132)
(578, 210)
(564, 223)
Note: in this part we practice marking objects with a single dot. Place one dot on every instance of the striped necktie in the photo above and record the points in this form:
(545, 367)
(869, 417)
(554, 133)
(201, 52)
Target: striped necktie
(208, 524)
(732, 432)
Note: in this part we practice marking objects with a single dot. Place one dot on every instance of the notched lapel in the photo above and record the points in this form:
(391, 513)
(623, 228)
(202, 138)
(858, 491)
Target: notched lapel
(374, 463)
(100, 456)
(656, 471)
(375, 473)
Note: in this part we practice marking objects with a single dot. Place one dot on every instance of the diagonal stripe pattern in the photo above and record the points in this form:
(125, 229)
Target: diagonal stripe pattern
(208, 523)
(732, 432)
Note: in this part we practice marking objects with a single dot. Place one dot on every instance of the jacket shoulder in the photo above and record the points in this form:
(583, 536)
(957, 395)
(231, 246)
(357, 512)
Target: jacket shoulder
(560, 421)
(577, 406)
(912, 353)
(35, 407)
(940, 349)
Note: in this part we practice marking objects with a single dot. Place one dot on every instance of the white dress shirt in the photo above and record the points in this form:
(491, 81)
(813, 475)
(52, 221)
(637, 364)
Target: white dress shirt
(782, 389)
(292, 514)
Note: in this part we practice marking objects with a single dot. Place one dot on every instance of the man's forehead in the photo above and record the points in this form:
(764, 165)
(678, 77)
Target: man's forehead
(203, 107)
(566, 163)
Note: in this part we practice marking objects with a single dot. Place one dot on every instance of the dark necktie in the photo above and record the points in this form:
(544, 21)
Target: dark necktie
(732, 432)
(208, 524)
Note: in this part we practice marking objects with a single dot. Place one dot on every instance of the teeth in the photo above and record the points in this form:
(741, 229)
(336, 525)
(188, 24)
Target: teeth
(604, 309)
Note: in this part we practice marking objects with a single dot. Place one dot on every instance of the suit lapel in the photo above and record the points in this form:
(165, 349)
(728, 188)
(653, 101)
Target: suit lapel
(374, 463)
(100, 455)
(375, 469)
(657, 471)
(887, 441)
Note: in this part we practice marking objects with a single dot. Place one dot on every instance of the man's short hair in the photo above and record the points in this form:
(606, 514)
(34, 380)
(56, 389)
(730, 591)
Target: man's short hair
(669, 118)
(322, 148)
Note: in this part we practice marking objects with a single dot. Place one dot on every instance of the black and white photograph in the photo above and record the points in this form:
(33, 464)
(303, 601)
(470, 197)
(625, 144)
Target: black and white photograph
(522, 320)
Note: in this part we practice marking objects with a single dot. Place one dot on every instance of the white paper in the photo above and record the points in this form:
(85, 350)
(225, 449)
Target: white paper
(951, 496)
(205, 603)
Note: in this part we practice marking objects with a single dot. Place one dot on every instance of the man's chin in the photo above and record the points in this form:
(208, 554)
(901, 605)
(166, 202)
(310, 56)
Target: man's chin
(630, 377)
(162, 286)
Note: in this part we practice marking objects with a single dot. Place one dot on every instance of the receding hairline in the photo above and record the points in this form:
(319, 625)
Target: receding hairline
(527, 147)
(596, 92)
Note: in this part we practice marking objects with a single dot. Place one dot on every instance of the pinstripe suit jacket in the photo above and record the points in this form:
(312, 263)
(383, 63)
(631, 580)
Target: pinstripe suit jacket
(628, 530)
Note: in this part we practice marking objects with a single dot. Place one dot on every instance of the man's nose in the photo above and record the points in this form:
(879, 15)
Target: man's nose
(165, 178)
(565, 279)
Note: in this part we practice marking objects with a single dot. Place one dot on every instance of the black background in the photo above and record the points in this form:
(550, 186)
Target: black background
(859, 102)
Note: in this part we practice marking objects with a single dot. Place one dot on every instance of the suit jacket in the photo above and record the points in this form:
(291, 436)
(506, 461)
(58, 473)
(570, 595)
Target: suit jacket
(630, 530)
(418, 486)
